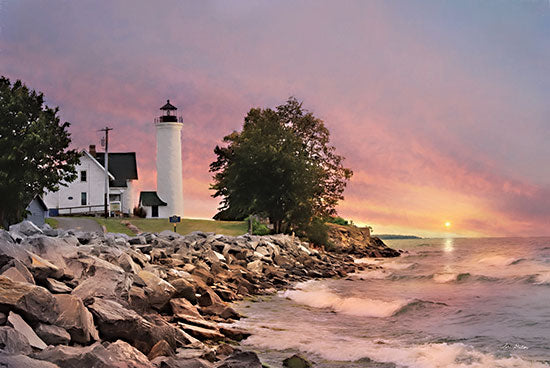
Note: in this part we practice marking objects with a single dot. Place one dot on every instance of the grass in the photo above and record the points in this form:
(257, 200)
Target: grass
(52, 222)
(186, 226)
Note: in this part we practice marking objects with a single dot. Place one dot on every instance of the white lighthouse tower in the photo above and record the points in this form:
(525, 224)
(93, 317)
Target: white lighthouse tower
(169, 164)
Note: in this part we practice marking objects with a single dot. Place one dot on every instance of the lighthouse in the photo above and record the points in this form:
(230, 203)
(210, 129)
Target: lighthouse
(169, 164)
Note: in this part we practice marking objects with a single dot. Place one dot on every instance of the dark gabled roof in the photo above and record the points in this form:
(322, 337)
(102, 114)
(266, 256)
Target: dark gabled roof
(168, 106)
(40, 203)
(150, 199)
(122, 165)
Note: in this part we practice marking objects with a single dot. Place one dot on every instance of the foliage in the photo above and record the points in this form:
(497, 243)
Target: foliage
(338, 221)
(139, 212)
(257, 227)
(317, 232)
(34, 154)
(280, 166)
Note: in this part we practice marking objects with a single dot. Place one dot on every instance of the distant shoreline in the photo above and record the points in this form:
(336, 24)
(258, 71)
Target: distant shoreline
(396, 236)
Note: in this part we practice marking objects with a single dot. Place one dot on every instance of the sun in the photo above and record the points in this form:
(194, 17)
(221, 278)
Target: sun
(447, 224)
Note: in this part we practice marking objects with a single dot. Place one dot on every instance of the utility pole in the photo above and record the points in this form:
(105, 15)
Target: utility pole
(106, 130)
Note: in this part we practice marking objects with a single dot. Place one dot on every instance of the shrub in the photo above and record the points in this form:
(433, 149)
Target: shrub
(257, 227)
(317, 232)
(338, 220)
(140, 212)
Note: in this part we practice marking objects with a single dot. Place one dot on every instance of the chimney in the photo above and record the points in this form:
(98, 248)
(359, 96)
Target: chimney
(92, 150)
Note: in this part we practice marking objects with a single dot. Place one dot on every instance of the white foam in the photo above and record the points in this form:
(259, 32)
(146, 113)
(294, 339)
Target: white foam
(543, 278)
(319, 296)
(498, 260)
(443, 278)
(433, 355)
(370, 261)
(371, 275)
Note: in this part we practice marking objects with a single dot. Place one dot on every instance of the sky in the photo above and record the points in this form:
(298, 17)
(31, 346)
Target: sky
(441, 108)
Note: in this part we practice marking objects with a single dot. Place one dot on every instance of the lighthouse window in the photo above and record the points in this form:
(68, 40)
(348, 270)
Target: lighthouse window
(83, 175)
(83, 198)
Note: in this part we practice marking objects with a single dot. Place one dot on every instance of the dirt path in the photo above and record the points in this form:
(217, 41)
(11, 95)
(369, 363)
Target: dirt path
(78, 223)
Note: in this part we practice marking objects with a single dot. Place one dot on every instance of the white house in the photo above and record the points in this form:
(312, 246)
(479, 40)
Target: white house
(168, 199)
(86, 194)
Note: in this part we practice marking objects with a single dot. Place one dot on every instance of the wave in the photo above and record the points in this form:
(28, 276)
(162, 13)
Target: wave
(321, 297)
(431, 355)
(361, 307)
(371, 275)
(540, 278)
(500, 260)
(443, 278)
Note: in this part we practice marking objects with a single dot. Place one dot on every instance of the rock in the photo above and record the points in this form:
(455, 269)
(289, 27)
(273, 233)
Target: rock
(208, 297)
(34, 302)
(76, 319)
(158, 290)
(355, 240)
(9, 250)
(255, 266)
(57, 286)
(161, 348)
(19, 274)
(296, 361)
(221, 310)
(182, 308)
(234, 333)
(53, 335)
(201, 333)
(96, 356)
(137, 240)
(124, 352)
(102, 279)
(241, 359)
(23, 328)
(41, 268)
(3, 318)
(127, 263)
(26, 228)
(116, 322)
(184, 289)
(23, 361)
(224, 350)
(13, 342)
(170, 362)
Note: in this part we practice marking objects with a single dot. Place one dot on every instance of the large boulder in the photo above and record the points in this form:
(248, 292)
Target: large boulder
(357, 241)
(96, 356)
(125, 352)
(158, 291)
(17, 271)
(13, 342)
(41, 268)
(53, 335)
(116, 322)
(76, 319)
(26, 228)
(35, 303)
(23, 328)
(9, 250)
(23, 361)
(241, 359)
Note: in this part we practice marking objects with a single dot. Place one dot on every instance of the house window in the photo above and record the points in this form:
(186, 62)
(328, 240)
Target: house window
(83, 198)
(83, 176)
(154, 211)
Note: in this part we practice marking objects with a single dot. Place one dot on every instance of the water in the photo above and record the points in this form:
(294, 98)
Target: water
(447, 303)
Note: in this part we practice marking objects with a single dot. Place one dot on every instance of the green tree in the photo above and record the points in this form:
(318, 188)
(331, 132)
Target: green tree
(34, 154)
(280, 165)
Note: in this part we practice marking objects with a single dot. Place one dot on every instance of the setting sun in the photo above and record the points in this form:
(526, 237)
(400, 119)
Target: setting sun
(447, 224)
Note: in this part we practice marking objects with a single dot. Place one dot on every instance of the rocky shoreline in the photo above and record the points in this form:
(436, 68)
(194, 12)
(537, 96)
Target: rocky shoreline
(75, 299)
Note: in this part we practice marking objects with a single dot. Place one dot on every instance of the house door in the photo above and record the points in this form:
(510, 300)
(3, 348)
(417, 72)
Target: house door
(155, 211)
